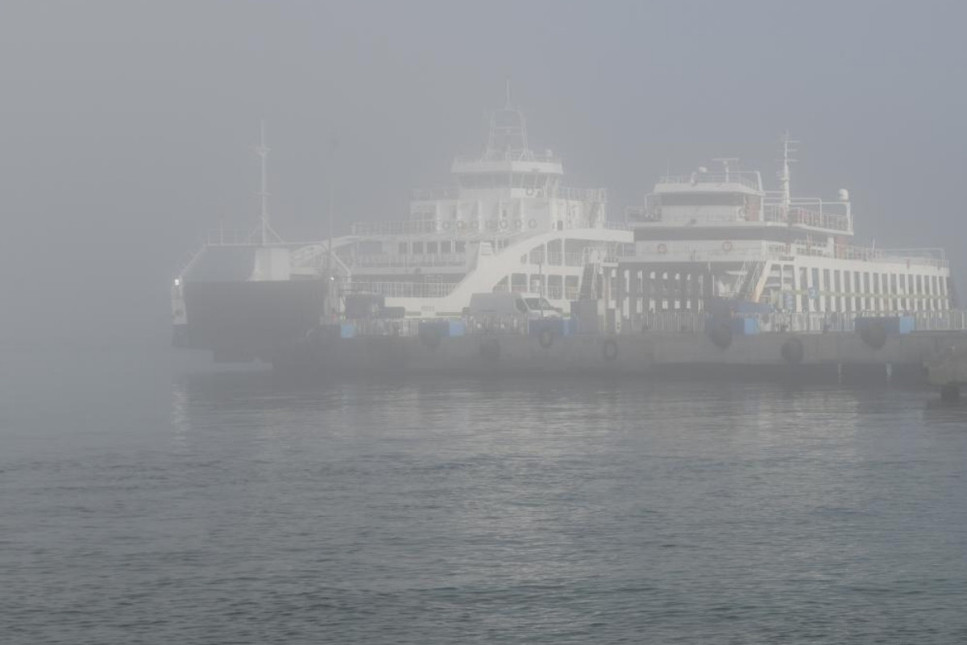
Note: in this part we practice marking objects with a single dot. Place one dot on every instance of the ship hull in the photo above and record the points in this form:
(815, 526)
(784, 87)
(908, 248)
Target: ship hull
(831, 358)
(242, 321)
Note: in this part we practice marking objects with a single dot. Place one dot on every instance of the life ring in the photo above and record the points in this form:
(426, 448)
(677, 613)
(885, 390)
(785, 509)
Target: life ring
(662, 249)
(720, 333)
(874, 334)
(503, 224)
(529, 191)
(545, 338)
(460, 225)
(519, 224)
(490, 348)
(726, 246)
(532, 223)
(793, 351)
(446, 226)
(609, 350)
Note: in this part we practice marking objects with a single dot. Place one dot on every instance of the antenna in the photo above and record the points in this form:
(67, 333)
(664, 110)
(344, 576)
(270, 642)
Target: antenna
(333, 145)
(507, 105)
(508, 131)
(266, 234)
(788, 149)
(725, 161)
(263, 153)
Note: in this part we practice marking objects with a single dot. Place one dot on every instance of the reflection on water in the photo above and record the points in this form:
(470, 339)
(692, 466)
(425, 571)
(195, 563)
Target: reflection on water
(237, 507)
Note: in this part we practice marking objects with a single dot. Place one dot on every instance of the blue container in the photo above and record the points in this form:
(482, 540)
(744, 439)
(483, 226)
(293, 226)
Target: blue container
(347, 330)
(442, 328)
(745, 326)
(557, 326)
(457, 328)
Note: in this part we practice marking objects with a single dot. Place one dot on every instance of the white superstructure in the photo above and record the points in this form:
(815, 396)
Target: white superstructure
(720, 234)
(507, 222)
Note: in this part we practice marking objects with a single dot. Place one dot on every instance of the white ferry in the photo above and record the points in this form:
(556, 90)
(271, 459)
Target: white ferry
(709, 236)
(702, 242)
(507, 222)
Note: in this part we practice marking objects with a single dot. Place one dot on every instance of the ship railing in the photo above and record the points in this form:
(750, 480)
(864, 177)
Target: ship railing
(394, 228)
(391, 289)
(617, 226)
(475, 228)
(641, 214)
(932, 257)
(410, 260)
(436, 192)
(514, 154)
(599, 195)
(410, 327)
(683, 322)
(816, 213)
(802, 322)
(739, 251)
(667, 321)
(950, 320)
(747, 178)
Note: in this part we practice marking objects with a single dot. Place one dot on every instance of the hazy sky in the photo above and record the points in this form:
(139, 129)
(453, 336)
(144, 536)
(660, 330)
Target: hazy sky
(127, 127)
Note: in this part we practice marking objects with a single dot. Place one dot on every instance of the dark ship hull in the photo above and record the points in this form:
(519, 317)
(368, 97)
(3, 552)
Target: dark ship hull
(242, 321)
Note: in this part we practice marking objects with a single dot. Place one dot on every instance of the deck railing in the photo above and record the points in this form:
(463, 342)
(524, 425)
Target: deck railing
(747, 178)
(401, 289)
(831, 216)
(396, 260)
(694, 321)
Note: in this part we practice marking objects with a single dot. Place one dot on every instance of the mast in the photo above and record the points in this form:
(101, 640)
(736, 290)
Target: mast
(784, 177)
(507, 103)
(508, 131)
(265, 233)
(333, 143)
(263, 153)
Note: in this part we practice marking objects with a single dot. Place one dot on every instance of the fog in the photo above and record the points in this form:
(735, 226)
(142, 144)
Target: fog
(708, 448)
(128, 127)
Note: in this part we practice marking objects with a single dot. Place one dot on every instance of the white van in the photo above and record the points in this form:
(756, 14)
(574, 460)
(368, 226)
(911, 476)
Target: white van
(507, 305)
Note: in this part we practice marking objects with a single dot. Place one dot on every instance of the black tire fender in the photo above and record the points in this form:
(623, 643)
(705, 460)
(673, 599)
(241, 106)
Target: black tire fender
(490, 348)
(874, 335)
(545, 338)
(793, 351)
(609, 349)
(720, 333)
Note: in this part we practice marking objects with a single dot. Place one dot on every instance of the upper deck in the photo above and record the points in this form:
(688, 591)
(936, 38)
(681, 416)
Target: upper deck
(737, 199)
(702, 181)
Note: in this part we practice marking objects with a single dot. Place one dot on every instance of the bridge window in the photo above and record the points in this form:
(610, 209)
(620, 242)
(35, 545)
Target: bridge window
(431, 248)
(402, 248)
(445, 247)
(702, 199)
(417, 248)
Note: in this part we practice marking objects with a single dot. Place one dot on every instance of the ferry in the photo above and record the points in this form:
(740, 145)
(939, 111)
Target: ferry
(705, 237)
(507, 221)
(706, 251)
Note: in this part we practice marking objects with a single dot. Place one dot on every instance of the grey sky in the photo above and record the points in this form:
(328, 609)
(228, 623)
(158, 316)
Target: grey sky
(127, 127)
